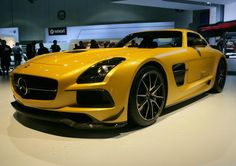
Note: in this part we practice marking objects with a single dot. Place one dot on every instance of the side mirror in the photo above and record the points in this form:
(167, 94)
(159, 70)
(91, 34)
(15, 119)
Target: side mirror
(199, 43)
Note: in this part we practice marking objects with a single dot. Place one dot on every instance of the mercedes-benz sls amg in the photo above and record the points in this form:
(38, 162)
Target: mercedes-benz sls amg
(133, 82)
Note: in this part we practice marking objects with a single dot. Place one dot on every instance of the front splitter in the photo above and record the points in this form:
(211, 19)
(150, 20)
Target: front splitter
(62, 117)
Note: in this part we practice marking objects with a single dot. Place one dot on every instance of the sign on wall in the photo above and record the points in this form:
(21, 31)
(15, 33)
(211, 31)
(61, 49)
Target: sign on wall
(11, 35)
(57, 31)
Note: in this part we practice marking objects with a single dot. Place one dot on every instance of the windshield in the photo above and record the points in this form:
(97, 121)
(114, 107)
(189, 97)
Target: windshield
(153, 39)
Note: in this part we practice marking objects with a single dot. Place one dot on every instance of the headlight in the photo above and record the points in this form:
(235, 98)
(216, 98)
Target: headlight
(98, 72)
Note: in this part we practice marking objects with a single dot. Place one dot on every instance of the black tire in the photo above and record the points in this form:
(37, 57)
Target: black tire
(220, 77)
(147, 96)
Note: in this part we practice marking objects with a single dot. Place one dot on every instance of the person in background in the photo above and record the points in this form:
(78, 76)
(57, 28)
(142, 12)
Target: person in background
(33, 48)
(81, 45)
(42, 49)
(0, 56)
(17, 51)
(234, 46)
(106, 44)
(55, 47)
(220, 44)
(30, 50)
(94, 44)
(5, 53)
(133, 44)
(112, 44)
(76, 47)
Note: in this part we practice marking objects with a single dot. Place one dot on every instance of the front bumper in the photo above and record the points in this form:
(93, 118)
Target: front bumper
(66, 99)
(76, 120)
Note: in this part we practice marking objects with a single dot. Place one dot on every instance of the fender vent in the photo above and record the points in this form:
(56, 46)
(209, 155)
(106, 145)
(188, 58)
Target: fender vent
(179, 73)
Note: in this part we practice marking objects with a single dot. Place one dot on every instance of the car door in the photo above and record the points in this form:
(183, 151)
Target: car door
(202, 65)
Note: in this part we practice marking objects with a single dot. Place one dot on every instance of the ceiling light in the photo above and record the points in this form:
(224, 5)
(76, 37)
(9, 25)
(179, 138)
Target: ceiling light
(208, 3)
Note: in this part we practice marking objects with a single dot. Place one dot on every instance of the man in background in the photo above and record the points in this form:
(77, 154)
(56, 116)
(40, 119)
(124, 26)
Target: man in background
(30, 50)
(81, 45)
(93, 44)
(17, 54)
(0, 56)
(5, 56)
(42, 49)
(55, 47)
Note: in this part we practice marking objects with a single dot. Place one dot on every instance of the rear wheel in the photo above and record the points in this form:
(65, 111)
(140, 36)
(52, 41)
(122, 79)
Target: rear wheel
(147, 97)
(220, 77)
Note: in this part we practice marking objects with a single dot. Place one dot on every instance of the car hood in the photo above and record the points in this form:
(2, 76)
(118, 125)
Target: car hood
(85, 57)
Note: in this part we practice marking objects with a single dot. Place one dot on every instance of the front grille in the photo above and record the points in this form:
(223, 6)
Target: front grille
(94, 98)
(33, 87)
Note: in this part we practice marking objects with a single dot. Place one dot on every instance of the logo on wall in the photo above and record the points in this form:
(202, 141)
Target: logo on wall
(57, 31)
(61, 14)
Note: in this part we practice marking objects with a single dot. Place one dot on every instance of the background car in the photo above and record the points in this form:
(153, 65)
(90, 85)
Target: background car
(229, 46)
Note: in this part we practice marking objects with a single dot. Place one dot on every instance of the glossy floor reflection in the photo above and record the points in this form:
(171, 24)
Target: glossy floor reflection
(199, 132)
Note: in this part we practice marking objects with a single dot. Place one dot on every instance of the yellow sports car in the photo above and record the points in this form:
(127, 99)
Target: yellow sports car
(133, 82)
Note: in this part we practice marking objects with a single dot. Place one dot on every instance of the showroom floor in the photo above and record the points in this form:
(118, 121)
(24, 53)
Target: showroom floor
(199, 132)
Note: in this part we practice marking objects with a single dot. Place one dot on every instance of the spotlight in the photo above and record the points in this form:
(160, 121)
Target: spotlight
(208, 3)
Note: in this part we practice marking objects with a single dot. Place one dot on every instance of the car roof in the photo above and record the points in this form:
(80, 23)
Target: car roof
(172, 29)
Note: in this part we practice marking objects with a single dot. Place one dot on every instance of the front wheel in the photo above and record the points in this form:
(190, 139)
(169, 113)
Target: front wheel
(147, 97)
(220, 77)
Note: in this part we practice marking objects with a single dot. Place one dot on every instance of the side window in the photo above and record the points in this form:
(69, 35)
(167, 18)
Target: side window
(135, 42)
(195, 40)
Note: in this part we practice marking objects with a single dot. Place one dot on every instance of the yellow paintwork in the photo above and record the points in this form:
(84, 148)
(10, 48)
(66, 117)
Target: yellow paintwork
(66, 67)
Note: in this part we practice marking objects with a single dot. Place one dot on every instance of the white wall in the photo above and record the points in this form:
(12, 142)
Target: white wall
(213, 18)
(109, 31)
(102, 32)
(230, 12)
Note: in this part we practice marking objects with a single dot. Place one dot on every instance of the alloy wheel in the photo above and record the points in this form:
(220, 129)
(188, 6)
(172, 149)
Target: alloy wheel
(150, 97)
